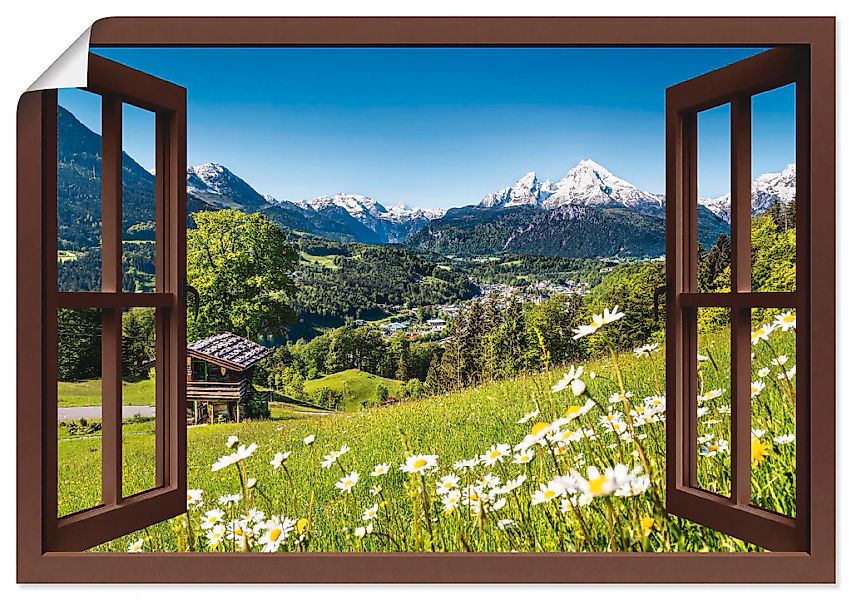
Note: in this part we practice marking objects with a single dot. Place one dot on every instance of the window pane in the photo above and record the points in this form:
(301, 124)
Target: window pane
(714, 400)
(137, 182)
(138, 389)
(78, 191)
(773, 408)
(79, 409)
(773, 193)
(714, 199)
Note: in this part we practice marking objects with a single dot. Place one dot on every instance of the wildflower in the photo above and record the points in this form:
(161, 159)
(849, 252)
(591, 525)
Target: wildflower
(451, 500)
(756, 388)
(309, 439)
(646, 350)
(780, 361)
(612, 417)
(495, 454)
(602, 484)
(504, 524)
(329, 459)
(725, 409)
(229, 499)
(370, 513)
(790, 373)
(759, 449)
(577, 411)
(763, 372)
(193, 498)
(762, 333)
(215, 535)
(136, 546)
(568, 379)
(239, 531)
(347, 482)
(786, 321)
(637, 484)
(212, 518)
(380, 470)
(275, 532)
(232, 441)
(375, 490)
(711, 395)
(251, 482)
(546, 493)
(720, 446)
(619, 397)
(528, 416)
(610, 317)
(362, 532)
(647, 524)
(447, 483)
(419, 463)
(787, 438)
(223, 462)
(576, 500)
(279, 459)
(490, 480)
(512, 484)
(702, 357)
(758, 433)
(466, 464)
(655, 403)
(702, 410)
(524, 457)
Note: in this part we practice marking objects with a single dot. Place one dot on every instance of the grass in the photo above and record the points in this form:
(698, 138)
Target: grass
(359, 386)
(87, 392)
(465, 424)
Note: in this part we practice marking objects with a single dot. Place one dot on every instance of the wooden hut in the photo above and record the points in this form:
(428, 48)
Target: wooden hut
(219, 371)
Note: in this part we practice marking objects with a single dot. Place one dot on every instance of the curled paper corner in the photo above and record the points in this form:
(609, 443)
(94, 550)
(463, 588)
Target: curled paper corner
(69, 70)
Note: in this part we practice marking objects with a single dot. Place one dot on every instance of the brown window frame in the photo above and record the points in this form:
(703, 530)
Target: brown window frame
(816, 563)
(116, 515)
(735, 85)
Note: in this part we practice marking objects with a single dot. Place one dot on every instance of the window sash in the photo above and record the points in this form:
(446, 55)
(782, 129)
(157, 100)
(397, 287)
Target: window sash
(736, 84)
(117, 515)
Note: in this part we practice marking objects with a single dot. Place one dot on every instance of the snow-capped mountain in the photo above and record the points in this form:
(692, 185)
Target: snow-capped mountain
(766, 190)
(401, 213)
(218, 186)
(527, 191)
(587, 184)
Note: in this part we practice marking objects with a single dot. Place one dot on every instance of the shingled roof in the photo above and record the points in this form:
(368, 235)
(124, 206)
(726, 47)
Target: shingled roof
(228, 350)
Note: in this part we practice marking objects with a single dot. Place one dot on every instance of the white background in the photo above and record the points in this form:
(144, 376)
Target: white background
(36, 32)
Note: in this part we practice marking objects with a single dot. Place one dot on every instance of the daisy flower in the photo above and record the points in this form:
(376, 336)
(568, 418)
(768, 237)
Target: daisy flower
(309, 439)
(713, 448)
(375, 490)
(370, 513)
(446, 483)
(451, 501)
(786, 321)
(546, 493)
(756, 388)
(232, 441)
(524, 457)
(380, 470)
(711, 395)
(275, 532)
(780, 361)
(787, 438)
(568, 378)
(215, 536)
(763, 372)
(329, 459)
(279, 459)
(193, 498)
(527, 417)
(762, 333)
(212, 518)
(136, 546)
(229, 499)
(419, 463)
(646, 350)
(619, 397)
(577, 411)
(347, 482)
(495, 454)
(466, 464)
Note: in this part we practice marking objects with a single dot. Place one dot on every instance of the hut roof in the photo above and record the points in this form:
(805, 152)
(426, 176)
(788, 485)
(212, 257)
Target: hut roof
(228, 350)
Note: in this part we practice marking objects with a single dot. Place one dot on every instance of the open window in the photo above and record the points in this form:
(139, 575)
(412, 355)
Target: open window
(120, 508)
(736, 511)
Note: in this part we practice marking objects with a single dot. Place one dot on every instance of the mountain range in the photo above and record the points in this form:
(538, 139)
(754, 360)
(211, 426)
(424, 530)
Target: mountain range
(589, 212)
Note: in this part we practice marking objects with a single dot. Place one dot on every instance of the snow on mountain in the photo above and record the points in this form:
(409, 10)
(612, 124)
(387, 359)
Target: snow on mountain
(401, 213)
(527, 191)
(590, 184)
(216, 184)
(766, 190)
(587, 184)
(358, 206)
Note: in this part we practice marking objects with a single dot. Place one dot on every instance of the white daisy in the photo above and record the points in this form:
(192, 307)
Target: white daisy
(347, 482)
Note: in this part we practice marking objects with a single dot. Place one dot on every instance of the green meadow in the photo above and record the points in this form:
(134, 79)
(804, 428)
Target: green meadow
(593, 481)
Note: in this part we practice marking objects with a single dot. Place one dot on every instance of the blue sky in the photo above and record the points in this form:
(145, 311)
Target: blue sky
(438, 126)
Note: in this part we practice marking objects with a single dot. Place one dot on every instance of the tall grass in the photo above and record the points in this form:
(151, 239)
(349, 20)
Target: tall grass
(590, 485)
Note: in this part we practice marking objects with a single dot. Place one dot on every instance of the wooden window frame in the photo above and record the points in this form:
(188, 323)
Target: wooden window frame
(116, 514)
(816, 563)
(735, 84)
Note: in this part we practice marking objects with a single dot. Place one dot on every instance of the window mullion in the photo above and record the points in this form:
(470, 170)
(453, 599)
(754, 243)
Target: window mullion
(741, 316)
(111, 281)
